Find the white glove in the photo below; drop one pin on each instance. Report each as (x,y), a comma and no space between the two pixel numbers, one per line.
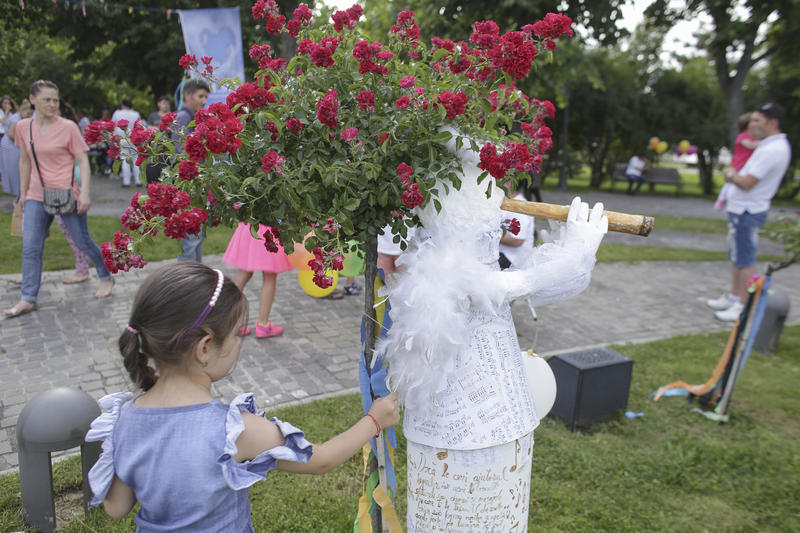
(585,227)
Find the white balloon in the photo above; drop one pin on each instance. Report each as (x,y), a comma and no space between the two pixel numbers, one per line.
(542,383)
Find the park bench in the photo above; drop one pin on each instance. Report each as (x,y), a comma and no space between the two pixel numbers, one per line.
(652,176)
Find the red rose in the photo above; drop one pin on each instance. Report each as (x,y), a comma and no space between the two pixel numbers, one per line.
(328,108)
(366,100)
(187,61)
(195,149)
(404,171)
(167,120)
(402,102)
(294,125)
(187,170)
(382,138)
(407,82)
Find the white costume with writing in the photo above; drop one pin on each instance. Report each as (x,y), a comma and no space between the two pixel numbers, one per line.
(455,360)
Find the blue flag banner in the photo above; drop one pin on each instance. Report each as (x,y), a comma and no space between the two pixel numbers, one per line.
(215,33)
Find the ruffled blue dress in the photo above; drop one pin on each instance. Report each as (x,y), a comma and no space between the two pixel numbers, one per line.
(179,461)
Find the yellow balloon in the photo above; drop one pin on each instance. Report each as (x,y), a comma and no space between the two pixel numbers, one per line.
(306,280)
(684,146)
(654,143)
(662,147)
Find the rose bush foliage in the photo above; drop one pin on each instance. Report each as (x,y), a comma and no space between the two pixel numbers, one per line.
(344,138)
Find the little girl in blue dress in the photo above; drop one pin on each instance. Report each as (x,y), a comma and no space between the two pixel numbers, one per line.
(186,458)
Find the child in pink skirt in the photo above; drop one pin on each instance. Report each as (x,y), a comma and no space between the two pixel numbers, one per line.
(249,255)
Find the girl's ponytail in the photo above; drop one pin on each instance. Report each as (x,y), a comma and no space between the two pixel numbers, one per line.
(161,328)
(135,360)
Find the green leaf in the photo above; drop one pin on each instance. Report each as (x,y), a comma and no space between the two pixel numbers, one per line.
(439,54)
(443,136)
(352,204)
(438,205)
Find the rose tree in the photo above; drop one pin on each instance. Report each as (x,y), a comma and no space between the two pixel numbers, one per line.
(344,139)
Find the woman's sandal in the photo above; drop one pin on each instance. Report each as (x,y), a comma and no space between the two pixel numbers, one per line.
(107,293)
(335,295)
(352,290)
(16,311)
(75,279)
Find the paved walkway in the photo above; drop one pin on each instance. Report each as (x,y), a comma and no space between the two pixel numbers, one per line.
(71,339)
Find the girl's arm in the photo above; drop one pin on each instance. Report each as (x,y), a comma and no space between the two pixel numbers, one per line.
(261,435)
(119,500)
(749,144)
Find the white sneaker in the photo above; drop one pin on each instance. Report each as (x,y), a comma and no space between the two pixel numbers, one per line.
(730,314)
(721,303)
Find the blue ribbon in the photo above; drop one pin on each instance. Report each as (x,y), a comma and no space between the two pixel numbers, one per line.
(374,384)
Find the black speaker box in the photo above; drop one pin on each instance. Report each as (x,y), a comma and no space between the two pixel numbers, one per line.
(591,386)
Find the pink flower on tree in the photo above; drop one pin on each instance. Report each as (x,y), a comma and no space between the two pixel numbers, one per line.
(349,134)
(402,102)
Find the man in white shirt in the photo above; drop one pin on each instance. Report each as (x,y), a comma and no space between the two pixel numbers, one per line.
(127,153)
(748,203)
(636,166)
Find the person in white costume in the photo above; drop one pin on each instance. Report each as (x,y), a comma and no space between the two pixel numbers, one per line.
(455,361)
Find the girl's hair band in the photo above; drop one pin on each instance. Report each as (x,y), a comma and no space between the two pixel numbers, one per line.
(132,329)
(211,303)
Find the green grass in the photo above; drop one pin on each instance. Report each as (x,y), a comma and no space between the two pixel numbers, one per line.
(58,255)
(579,183)
(691,225)
(671,470)
(611,252)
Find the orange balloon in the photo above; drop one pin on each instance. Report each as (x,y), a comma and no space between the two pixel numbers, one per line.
(300,257)
(654,143)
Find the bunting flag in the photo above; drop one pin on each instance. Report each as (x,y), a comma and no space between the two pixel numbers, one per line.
(719,387)
(372,382)
(105,5)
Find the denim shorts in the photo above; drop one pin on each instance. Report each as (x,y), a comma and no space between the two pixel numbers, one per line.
(743,237)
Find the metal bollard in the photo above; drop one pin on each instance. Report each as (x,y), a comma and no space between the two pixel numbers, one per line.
(772,324)
(54,420)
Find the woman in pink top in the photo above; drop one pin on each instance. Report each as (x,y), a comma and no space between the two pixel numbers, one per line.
(58,144)
(742,150)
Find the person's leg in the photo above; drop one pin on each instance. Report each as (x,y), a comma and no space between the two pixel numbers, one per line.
(241,278)
(81,262)
(639,182)
(126,173)
(35,224)
(745,227)
(136,181)
(79,229)
(192,248)
(266,297)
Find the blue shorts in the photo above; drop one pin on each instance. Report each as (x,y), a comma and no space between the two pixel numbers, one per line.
(743,237)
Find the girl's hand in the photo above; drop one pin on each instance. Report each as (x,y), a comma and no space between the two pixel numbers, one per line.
(386,410)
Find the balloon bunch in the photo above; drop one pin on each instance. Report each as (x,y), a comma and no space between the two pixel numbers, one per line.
(657,145)
(684,147)
(353,265)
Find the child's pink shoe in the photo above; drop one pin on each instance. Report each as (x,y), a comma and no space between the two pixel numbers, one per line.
(244,331)
(270,330)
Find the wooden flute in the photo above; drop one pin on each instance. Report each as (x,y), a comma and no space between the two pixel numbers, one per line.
(621,222)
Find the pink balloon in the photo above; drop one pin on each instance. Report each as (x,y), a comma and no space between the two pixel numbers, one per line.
(678,150)
(692,150)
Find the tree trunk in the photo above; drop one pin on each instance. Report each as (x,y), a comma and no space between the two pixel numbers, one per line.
(562,177)
(705,169)
(370,271)
(598,164)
